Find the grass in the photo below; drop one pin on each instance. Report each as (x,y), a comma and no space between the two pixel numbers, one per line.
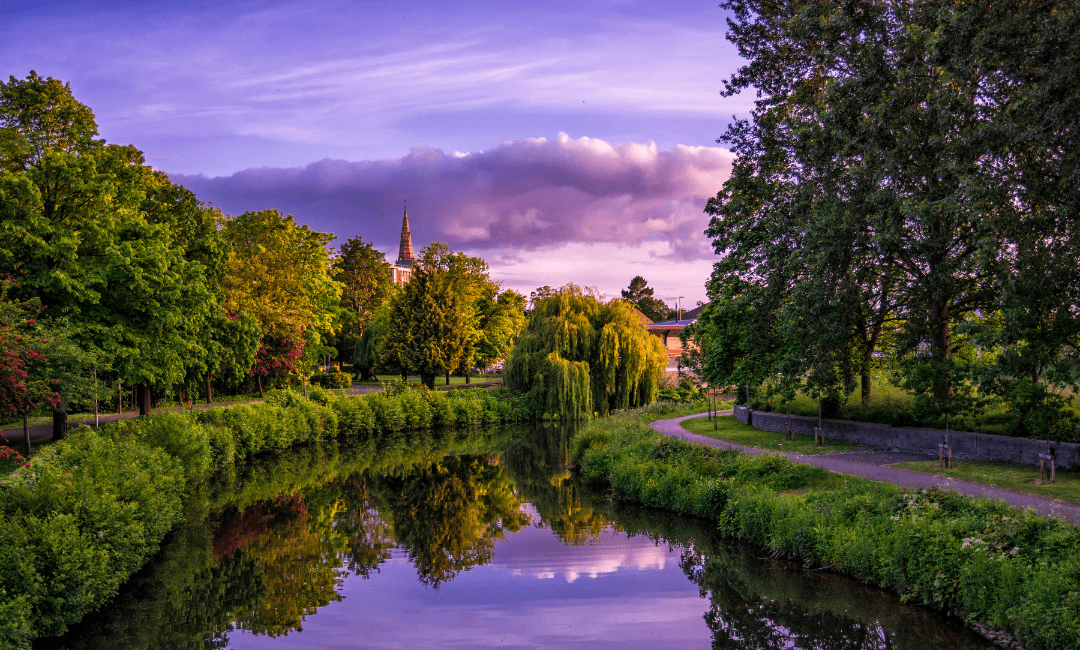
(732,430)
(1018,478)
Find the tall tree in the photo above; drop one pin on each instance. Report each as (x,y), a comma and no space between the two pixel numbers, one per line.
(640,295)
(279,273)
(579,356)
(366,283)
(84,228)
(428,330)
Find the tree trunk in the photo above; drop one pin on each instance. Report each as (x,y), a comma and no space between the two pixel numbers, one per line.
(468,373)
(259,379)
(144,399)
(59,420)
(448,378)
(209,393)
(26,433)
(865,380)
(428,379)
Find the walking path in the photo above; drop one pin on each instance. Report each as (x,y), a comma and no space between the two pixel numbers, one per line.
(875,466)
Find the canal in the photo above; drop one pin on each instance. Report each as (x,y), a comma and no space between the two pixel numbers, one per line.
(473,539)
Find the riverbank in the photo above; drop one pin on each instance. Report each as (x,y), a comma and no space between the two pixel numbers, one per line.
(976,558)
(90,510)
(877,466)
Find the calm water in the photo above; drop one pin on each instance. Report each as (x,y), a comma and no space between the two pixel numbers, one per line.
(473,541)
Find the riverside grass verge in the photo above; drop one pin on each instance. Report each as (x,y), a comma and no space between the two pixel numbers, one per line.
(1018,478)
(732,430)
(974,558)
(90,510)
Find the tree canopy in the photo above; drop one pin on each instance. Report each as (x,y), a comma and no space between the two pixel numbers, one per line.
(640,295)
(579,356)
(904,177)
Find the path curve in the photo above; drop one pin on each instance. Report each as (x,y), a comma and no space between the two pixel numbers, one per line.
(907,478)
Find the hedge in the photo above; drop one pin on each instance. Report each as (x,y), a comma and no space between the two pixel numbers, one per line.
(975,558)
(90,510)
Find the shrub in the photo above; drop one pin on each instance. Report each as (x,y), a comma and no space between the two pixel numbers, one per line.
(83,516)
(976,558)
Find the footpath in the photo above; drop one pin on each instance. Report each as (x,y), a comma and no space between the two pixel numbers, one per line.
(875,466)
(43,432)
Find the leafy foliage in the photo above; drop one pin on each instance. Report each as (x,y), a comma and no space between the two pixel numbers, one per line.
(579,356)
(640,295)
(884,202)
(974,558)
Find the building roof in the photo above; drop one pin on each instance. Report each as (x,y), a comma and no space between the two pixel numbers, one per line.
(645,320)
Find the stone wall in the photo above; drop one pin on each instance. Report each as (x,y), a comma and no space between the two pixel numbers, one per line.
(972,446)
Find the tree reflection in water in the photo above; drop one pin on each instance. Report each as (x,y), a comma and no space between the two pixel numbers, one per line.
(270,543)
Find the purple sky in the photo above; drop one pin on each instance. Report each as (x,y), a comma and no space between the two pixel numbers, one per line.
(589,128)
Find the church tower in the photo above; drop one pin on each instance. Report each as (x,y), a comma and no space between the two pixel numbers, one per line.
(405,252)
(401,271)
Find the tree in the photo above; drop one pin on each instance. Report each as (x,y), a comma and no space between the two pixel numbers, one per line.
(578,356)
(366,283)
(467,277)
(20,352)
(885,164)
(500,320)
(279,273)
(541,293)
(640,295)
(427,331)
(89,230)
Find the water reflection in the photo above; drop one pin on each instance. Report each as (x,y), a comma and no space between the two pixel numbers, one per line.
(479,540)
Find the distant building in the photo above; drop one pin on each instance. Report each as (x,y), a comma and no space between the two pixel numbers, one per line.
(668,332)
(401,270)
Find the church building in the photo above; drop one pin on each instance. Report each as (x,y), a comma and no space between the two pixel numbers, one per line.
(401,270)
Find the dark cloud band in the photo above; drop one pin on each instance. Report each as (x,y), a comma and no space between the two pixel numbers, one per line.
(526,194)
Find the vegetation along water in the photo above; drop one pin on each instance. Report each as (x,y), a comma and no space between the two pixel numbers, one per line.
(478,536)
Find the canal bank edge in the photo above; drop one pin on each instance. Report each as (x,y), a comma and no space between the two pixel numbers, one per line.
(66,551)
(934,546)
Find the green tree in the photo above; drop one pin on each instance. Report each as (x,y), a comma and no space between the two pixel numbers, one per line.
(279,273)
(885,180)
(366,283)
(579,356)
(88,230)
(500,320)
(640,295)
(427,332)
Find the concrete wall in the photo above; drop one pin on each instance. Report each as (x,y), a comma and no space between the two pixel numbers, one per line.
(972,446)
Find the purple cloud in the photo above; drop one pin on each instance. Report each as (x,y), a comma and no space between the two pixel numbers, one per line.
(522,195)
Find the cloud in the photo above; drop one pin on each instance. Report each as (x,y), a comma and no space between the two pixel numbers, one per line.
(520,196)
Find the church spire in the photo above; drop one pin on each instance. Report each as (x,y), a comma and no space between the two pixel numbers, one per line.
(405,251)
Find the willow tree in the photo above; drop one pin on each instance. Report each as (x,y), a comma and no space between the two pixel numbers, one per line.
(579,356)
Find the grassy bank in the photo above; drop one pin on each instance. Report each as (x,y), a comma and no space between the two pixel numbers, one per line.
(90,510)
(729,429)
(1018,478)
(977,559)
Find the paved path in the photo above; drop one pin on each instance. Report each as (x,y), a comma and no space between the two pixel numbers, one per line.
(875,466)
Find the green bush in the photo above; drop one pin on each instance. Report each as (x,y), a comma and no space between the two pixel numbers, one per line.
(975,558)
(91,509)
(76,523)
(332,379)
